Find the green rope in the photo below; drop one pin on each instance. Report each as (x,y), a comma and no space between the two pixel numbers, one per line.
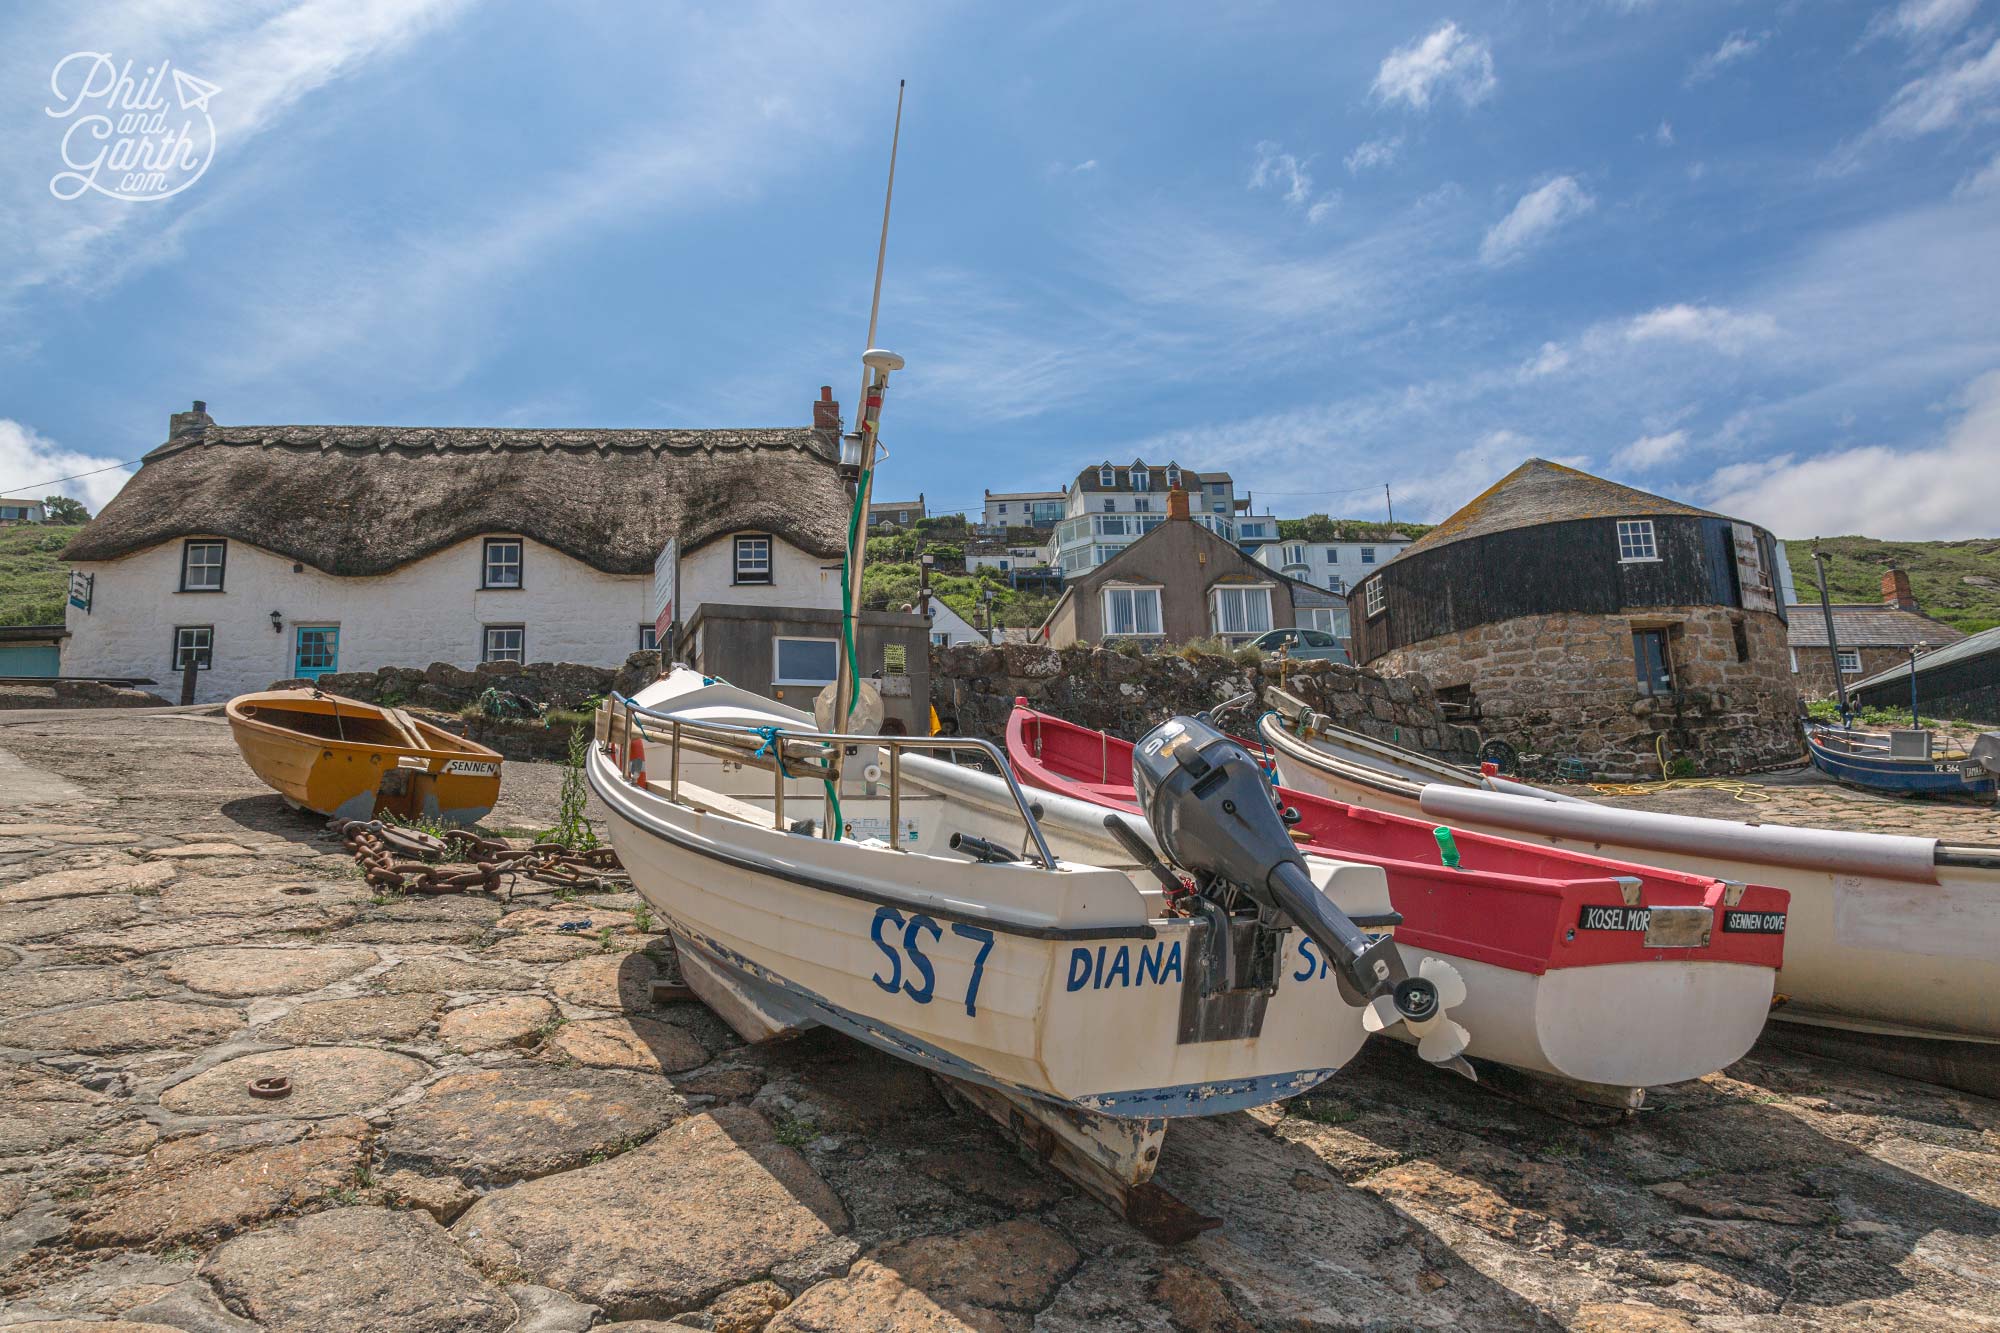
(847,641)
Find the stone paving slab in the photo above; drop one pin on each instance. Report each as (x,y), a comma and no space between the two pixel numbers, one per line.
(550,1150)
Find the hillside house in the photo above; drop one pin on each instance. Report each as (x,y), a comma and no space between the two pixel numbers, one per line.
(22,509)
(270,552)
(900,513)
(1020,509)
(1873,637)
(1180,581)
(1108,507)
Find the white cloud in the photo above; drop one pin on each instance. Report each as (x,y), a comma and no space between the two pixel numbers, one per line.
(1921,21)
(1538,213)
(1447,61)
(1650,451)
(1551,359)
(1986,180)
(30,463)
(1319,212)
(1664,136)
(1738,45)
(1708,325)
(1959,89)
(1276,169)
(1933,492)
(1374,153)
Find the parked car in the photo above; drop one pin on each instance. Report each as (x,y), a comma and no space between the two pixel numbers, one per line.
(1302,645)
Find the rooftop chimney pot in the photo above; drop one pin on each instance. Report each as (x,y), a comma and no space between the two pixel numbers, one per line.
(1177,503)
(1896,591)
(826,412)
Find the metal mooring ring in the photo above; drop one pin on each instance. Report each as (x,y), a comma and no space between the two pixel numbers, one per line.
(270,1088)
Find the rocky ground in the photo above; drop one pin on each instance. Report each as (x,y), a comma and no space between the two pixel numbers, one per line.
(493,1125)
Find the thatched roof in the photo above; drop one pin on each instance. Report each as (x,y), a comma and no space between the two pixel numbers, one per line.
(368,499)
(1539,491)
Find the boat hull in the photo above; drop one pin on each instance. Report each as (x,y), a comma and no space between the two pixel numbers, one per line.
(1078,1005)
(1877,934)
(1545,993)
(1877,772)
(374,771)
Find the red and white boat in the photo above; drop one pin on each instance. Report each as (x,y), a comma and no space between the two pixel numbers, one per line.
(1596,971)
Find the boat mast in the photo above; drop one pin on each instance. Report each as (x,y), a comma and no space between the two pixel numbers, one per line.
(1832,641)
(874,385)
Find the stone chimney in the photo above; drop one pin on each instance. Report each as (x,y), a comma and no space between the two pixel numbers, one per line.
(195,419)
(1896,591)
(1177,504)
(826,412)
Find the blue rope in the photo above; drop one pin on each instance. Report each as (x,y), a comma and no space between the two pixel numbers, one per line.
(771,735)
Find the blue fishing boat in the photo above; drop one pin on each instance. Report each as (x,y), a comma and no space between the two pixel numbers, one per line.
(1900,762)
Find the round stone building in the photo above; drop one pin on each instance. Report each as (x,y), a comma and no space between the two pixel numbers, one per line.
(1575,618)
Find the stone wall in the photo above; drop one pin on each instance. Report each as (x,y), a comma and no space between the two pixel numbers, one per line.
(1127,694)
(1814,677)
(449,688)
(1564,686)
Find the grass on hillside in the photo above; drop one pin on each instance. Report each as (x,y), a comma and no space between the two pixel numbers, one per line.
(1938,572)
(34,584)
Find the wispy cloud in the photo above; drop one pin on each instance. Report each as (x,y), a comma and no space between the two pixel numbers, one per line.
(1723,330)
(30,464)
(1664,136)
(1986,180)
(1448,61)
(1651,451)
(1537,214)
(1948,489)
(1921,21)
(1738,45)
(265,68)
(1967,84)
(1276,169)
(1374,153)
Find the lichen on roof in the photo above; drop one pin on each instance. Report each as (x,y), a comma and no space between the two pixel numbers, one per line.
(1539,491)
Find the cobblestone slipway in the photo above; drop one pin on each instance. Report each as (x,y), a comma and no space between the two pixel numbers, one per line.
(492,1126)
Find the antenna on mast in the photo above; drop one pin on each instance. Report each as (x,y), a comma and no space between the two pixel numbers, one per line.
(882,246)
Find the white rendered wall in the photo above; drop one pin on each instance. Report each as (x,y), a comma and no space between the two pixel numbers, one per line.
(797,579)
(430,611)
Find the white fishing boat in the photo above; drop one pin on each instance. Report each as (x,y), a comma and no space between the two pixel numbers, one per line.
(1091,1001)
(1892,935)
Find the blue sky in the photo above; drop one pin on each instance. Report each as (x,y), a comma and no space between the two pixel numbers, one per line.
(1746,254)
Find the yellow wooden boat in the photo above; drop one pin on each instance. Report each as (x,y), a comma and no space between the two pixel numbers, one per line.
(351,760)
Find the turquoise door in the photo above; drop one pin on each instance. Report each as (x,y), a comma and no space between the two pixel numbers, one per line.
(318,651)
(29,659)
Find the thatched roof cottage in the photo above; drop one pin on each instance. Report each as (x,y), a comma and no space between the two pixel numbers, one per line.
(265,552)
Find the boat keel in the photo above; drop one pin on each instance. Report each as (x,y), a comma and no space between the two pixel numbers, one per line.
(1111,1158)
(746,1014)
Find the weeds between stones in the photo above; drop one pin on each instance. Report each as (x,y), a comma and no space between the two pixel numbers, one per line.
(572,827)
(795,1133)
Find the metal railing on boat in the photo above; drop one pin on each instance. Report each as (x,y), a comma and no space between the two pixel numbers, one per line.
(811,754)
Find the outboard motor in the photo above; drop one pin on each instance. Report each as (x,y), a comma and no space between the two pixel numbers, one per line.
(1212,810)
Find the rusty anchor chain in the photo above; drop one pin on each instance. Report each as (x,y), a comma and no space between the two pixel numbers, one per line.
(407,860)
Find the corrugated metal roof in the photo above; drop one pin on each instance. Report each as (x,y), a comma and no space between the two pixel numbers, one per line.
(1866,625)
(1967,648)
(1539,491)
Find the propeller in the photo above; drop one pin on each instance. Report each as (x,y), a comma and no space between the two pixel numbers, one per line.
(1440,1041)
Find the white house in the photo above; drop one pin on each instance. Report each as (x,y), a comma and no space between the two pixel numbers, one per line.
(22,509)
(1110,506)
(270,552)
(1336,566)
(1020,509)
(948,627)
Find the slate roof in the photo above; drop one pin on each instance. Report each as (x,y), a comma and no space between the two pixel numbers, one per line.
(356,500)
(1865,625)
(1539,491)
(1983,644)
(1191,480)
